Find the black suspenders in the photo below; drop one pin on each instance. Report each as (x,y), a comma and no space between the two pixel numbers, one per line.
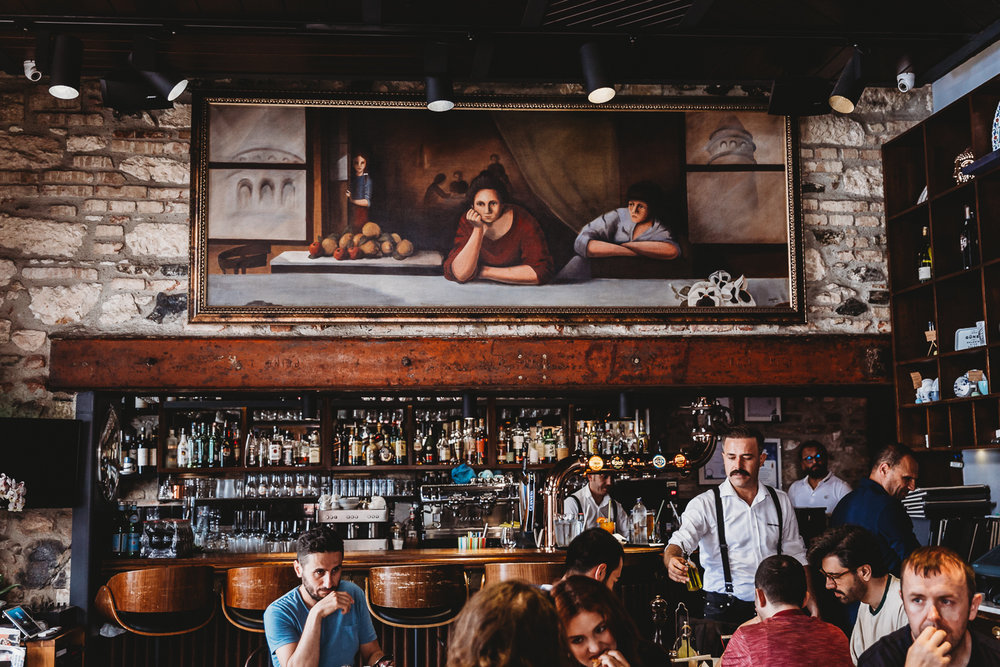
(727,572)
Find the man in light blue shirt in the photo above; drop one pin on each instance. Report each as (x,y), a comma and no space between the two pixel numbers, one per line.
(325,620)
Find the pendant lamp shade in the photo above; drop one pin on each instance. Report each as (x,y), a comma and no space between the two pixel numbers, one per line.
(439,93)
(67,57)
(849,86)
(595,78)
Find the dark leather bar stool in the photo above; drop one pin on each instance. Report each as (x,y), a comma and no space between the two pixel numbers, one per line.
(247,593)
(159,601)
(536,574)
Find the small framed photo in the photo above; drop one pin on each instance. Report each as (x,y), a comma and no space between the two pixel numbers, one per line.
(762,409)
(770,471)
(714,472)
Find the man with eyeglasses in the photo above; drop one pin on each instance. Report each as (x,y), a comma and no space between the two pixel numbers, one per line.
(849,559)
(820,487)
(876,504)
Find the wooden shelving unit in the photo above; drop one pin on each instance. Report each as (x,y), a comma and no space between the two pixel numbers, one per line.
(955,297)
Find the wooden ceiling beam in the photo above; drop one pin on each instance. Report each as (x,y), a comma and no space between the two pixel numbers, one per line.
(259,364)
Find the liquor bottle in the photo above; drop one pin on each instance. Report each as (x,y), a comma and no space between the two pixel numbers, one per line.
(925,261)
(518,440)
(251,450)
(399,444)
(235,455)
(315,457)
(288,450)
(142,452)
(301,448)
(118,531)
(134,533)
(183,451)
(356,448)
(418,445)
(128,456)
(274,448)
(226,448)
(214,446)
(548,446)
(444,443)
(172,444)
(480,442)
(639,533)
(198,445)
(967,240)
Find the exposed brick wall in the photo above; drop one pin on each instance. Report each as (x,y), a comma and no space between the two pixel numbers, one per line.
(94,232)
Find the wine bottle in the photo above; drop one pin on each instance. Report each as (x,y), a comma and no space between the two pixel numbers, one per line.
(925,262)
(967,240)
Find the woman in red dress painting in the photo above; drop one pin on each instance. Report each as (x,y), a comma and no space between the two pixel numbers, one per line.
(497,240)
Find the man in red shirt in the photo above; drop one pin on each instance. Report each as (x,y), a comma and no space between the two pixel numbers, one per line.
(785,636)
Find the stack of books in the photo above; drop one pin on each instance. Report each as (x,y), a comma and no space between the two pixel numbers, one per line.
(947,502)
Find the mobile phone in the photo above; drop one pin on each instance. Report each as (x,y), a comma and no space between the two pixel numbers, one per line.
(20,617)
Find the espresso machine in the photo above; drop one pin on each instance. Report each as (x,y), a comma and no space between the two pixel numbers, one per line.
(362,529)
(454,510)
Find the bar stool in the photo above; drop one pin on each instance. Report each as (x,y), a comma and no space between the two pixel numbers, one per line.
(416,597)
(159,601)
(536,574)
(247,593)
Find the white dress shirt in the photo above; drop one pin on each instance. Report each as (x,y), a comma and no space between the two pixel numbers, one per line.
(752,533)
(591,510)
(827,493)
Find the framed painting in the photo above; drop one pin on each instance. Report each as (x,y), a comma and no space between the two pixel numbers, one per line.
(323,209)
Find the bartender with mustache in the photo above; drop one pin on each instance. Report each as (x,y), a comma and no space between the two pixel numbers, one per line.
(757,521)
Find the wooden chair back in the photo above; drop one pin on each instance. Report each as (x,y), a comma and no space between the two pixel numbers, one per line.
(531,573)
(257,586)
(162,589)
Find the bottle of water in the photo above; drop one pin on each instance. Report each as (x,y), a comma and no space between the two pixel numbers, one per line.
(639,535)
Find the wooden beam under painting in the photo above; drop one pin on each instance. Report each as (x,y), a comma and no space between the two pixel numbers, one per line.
(248,364)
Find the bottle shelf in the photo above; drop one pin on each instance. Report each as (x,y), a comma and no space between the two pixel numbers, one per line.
(955,297)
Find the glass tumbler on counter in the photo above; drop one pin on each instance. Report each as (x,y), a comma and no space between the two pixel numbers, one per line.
(508,540)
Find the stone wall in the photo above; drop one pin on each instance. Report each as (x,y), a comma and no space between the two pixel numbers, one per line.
(94,230)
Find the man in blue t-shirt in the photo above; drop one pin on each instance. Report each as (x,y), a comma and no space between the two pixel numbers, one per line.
(325,621)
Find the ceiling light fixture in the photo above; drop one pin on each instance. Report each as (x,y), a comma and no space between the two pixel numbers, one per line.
(125,92)
(439,93)
(143,60)
(595,80)
(850,85)
(67,60)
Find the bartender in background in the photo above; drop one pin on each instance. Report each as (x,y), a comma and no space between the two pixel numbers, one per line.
(595,501)
(820,487)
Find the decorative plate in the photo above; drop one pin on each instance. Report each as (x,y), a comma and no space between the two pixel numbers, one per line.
(964,386)
(996,129)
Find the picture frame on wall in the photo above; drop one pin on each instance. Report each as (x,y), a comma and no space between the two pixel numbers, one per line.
(326,208)
(714,471)
(762,409)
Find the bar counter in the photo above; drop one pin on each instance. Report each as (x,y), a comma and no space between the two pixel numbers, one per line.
(219,644)
(635,557)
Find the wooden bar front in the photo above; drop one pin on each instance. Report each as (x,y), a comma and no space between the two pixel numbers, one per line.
(221,644)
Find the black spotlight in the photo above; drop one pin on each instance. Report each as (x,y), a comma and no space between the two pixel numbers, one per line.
(439,93)
(849,86)
(799,96)
(126,93)
(595,79)
(468,405)
(67,59)
(158,76)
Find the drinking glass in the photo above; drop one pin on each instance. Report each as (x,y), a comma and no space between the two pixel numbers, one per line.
(507,540)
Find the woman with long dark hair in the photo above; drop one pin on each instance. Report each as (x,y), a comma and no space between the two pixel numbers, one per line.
(509,624)
(598,630)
